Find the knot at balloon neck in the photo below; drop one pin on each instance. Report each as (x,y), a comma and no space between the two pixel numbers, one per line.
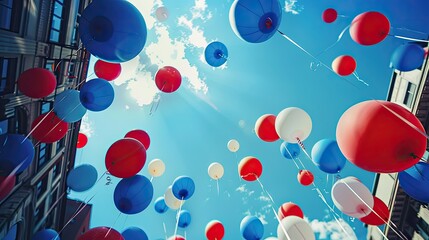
(218,54)
(101,28)
(268,22)
(125,204)
(183,193)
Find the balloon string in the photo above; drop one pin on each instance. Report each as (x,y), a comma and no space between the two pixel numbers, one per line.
(330,69)
(359,79)
(293,159)
(110,228)
(155,104)
(366,204)
(314,57)
(178,216)
(165,230)
(151,179)
(82,205)
(217,185)
(335,43)
(410,30)
(321,196)
(273,204)
(409,38)
(37,125)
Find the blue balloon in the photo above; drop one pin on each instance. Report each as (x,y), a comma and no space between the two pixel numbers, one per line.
(113,30)
(184,218)
(133,195)
(160,206)
(82,178)
(407,57)
(97,94)
(415,181)
(15,150)
(183,187)
(251,228)
(134,233)
(46,234)
(327,156)
(67,106)
(255,21)
(290,150)
(216,54)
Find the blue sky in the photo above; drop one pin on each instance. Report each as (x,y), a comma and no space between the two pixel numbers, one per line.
(192,126)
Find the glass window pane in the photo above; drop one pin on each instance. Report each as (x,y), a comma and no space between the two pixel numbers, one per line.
(58,9)
(46,107)
(56,23)
(5,66)
(55,36)
(5,17)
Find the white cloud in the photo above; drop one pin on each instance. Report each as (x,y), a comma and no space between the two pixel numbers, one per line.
(165,50)
(333,230)
(264,198)
(292,6)
(241,188)
(87,127)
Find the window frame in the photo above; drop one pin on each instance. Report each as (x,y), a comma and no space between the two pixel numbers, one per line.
(10,75)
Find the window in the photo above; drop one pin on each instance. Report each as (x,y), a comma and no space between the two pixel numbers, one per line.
(44,155)
(8,74)
(56,21)
(10,15)
(409,94)
(60,145)
(46,107)
(54,197)
(56,170)
(41,187)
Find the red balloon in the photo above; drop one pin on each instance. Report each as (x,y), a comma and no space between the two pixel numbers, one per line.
(48,128)
(305,177)
(101,233)
(125,158)
(215,230)
(250,168)
(37,82)
(369,28)
(106,70)
(7,183)
(265,128)
(375,139)
(168,79)
(382,215)
(344,65)
(329,15)
(82,140)
(140,136)
(177,237)
(290,209)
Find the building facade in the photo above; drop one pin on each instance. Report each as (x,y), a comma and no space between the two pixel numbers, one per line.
(409,218)
(43,34)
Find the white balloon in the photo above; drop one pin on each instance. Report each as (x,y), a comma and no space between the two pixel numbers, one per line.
(169,198)
(216,170)
(296,229)
(156,168)
(352,197)
(292,123)
(233,145)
